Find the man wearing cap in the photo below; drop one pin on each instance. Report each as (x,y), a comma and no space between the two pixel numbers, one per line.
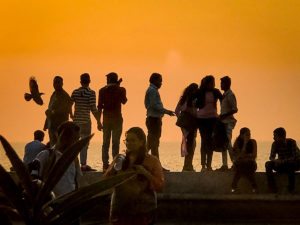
(85,102)
(155,112)
(228,108)
(110,99)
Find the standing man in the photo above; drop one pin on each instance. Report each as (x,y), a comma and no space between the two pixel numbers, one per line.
(85,102)
(59,109)
(110,99)
(34,147)
(228,108)
(155,112)
(288,160)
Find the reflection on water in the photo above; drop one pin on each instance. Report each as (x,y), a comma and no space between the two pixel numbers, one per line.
(169,155)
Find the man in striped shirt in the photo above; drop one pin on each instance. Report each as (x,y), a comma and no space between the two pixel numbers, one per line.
(85,102)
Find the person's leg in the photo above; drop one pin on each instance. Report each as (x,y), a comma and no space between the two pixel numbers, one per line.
(188,160)
(270,176)
(154,132)
(106,143)
(209,144)
(116,135)
(52,135)
(236,178)
(202,132)
(291,168)
(85,130)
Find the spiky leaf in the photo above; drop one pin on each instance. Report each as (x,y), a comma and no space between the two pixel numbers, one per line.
(75,200)
(19,167)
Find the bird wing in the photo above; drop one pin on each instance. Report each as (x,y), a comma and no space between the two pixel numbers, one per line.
(34,90)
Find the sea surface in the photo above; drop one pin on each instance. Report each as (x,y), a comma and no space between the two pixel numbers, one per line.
(169,155)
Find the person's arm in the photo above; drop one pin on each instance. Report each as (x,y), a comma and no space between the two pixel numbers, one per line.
(273,152)
(123,96)
(93,108)
(253,155)
(154,174)
(100,108)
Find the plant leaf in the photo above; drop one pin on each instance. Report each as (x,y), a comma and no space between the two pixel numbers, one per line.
(74,200)
(20,168)
(13,194)
(59,169)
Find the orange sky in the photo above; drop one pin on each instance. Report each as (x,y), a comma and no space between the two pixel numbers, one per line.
(254,42)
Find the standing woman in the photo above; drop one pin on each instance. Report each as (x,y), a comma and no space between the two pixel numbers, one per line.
(189,130)
(207,98)
(244,155)
(134,202)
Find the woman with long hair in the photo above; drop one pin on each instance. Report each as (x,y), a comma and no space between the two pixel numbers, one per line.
(134,202)
(244,154)
(207,97)
(186,108)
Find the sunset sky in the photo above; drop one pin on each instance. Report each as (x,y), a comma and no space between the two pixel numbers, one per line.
(255,42)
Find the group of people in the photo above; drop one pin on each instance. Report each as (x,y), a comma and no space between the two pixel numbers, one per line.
(196,110)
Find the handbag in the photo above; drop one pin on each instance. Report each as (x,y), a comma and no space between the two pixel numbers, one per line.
(186,120)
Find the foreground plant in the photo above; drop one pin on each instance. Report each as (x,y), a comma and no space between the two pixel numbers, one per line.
(30,200)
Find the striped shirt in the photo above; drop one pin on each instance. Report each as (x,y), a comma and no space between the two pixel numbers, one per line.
(85,102)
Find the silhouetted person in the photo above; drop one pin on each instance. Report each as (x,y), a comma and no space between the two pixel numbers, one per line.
(110,99)
(155,112)
(288,160)
(34,92)
(59,109)
(187,111)
(85,102)
(206,103)
(244,155)
(34,147)
(228,108)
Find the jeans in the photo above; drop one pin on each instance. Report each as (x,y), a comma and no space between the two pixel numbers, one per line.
(206,127)
(154,133)
(229,129)
(190,146)
(111,128)
(247,169)
(85,130)
(285,167)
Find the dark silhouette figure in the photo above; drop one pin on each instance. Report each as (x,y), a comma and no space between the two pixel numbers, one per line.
(85,102)
(34,147)
(59,109)
(110,99)
(244,155)
(228,109)
(206,102)
(134,202)
(155,112)
(34,92)
(288,160)
(186,111)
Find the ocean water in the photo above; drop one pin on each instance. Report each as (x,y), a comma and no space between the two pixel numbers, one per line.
(169,155)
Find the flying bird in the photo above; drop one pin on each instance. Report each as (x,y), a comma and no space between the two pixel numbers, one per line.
(34,92)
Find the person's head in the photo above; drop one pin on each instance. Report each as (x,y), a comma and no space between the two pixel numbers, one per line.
(279,135)
(208,83)
(136,143)
(58,83)
(85,79)
(112,78)
(188,92)
(245,133)
(39,135)
(67,134)
(225,83)
(156,79)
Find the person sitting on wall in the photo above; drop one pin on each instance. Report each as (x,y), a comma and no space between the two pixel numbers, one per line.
(288,160)
(244,155)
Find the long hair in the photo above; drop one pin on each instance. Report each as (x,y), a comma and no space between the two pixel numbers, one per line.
(188,93)
(142,150)
(239,140)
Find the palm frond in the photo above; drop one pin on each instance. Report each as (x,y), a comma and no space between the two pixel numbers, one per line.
(19,167)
